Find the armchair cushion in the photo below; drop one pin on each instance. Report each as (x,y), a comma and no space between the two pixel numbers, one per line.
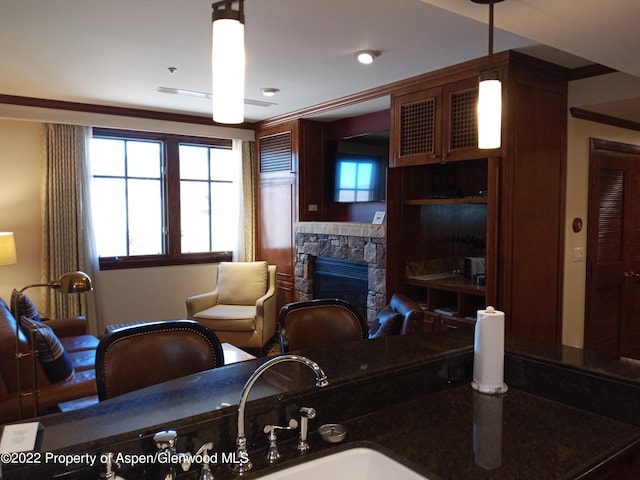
(241,283)
(22,306)
(236,318)
(53,357)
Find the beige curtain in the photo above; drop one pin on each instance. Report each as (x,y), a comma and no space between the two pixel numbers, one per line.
(249,179)
(66,212)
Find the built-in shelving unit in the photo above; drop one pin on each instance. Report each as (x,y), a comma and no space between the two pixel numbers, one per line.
(445,219)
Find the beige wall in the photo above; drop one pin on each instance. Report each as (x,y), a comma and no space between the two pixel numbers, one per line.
(579,133)
(587,93)
(157,293)
(20,177)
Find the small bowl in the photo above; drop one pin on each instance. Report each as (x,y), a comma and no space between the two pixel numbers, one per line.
(332,432)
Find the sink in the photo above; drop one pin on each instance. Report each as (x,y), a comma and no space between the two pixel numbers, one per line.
(355,464)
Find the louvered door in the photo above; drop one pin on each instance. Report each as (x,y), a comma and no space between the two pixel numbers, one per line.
(612,322)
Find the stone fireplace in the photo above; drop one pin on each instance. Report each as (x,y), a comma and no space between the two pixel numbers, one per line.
(359,242)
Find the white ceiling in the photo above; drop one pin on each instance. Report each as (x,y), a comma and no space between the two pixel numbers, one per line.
(118,52)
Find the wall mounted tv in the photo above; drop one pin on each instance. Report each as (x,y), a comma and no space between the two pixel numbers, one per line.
(357,168)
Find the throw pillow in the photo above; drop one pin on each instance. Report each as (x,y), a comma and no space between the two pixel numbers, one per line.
(241,283)
(54,359)
(388,322)
(22,306)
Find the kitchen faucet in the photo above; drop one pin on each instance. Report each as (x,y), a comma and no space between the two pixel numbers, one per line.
(245,464)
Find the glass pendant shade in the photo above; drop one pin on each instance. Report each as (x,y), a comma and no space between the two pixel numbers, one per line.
(227,68)
(489,114)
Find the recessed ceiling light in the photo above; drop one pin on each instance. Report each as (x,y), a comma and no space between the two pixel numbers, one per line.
(367,56)
(269,92)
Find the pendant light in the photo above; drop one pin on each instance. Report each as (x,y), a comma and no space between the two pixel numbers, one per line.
(228,62)
(489,95)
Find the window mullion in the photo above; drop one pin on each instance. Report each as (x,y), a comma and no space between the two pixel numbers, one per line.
(172,218)
(209,189)
(126,196)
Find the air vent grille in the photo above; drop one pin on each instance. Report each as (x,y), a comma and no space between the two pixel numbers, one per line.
(275,153)
(417,127)
(464,119)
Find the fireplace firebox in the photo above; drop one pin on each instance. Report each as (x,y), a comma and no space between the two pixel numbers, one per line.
(344,279)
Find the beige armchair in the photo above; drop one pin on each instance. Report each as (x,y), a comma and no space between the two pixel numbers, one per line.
(241,310)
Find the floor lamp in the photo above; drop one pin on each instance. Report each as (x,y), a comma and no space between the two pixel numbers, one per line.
(69,283)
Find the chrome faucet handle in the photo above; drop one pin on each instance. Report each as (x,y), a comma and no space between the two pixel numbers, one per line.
(306,414)
(273,454)
(202,453)
(205,471)
(166,440)
(111,467)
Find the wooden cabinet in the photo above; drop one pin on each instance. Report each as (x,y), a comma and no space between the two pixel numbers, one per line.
(417,129)
(436,124)
(276,206)
(627,467)
(449,191)
(287,191)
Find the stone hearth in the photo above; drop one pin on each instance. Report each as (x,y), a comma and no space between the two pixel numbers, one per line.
(354,241)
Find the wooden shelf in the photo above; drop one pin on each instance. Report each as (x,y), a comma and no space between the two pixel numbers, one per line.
(451,300)
(447,201)
(451,283)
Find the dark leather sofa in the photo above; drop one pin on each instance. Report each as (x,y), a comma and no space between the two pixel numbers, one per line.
(412,314)
(81,349)
(403,316)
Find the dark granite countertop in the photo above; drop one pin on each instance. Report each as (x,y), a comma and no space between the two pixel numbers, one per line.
(460,434)
(568,413)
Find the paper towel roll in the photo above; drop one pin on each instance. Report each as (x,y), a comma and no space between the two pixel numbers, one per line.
(488,352)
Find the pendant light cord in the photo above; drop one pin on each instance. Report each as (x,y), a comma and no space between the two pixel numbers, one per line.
(491,36)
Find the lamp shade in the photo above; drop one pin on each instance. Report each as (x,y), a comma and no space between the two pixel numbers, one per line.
(74,282)
(227,70)
(489,113)
(8,254)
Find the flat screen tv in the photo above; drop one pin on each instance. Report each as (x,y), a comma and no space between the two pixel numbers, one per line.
(357,168)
